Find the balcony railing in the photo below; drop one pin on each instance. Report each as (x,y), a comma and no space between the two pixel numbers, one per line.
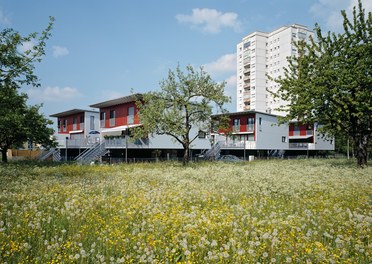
(78,143)
(122,143)
(239,144)
(298,133)
(310,146)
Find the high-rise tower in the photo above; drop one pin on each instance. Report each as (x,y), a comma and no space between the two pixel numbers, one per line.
(260,54)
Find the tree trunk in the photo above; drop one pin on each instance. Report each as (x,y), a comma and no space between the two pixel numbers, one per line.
(186,156)
(361,150)
(4,156)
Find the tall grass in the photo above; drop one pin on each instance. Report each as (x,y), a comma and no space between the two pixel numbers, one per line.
(306,211)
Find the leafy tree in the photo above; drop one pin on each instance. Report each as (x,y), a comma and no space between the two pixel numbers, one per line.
(183,105)
(19,122)
(330,82)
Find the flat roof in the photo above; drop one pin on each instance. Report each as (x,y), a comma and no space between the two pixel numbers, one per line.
(117,101)
(245,113)
(72,112)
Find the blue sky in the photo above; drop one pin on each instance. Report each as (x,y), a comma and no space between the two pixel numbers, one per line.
(100,50)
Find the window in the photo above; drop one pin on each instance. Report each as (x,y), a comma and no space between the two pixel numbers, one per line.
(91,123)
(250,124)
(236,127)
(65,125)
(260,123)
(284,139)
(202,134)
(296,130)
(112,117)
(130,118)
(74,123)
(82,122)
(59,126)
(102,118)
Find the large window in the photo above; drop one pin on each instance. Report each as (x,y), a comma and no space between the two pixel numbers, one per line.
(130,118)
(82,122)
(112,117)
(250,124)
(91,123)
(74,123)
(102,118)
(65,125)
(236,127)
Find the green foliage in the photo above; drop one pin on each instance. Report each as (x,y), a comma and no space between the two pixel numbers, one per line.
(330,82)
(19,122)
(182,105)
(278,211)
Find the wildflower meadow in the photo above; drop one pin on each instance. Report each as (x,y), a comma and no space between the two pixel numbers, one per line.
(281,211)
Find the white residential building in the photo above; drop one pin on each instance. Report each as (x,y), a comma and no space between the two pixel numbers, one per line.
(260,54)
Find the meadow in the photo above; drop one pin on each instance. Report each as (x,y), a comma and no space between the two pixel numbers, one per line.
(280,211)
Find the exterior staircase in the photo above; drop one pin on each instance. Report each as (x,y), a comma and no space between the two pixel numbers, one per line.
(55,153)
(93,153)
(214,152)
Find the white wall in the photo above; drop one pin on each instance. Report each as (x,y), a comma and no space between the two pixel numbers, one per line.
(323,143)
(269,134)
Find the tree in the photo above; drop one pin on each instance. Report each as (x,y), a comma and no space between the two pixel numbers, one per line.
(330,82)
(19,122)
(183,105)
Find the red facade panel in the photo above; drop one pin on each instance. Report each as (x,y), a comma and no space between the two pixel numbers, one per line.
(300,130)
(121,113)
(239,124)
(66,123)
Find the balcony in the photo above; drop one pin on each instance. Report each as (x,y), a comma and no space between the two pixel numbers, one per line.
(78,143)
(239,145)
(121,142)
(297,134)
(309,146)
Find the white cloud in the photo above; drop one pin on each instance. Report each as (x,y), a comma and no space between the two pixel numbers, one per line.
(210,20)
(53,94)
(224,64)
(230,90)
(59,51)
(28,45)
(4,19)
(330,11)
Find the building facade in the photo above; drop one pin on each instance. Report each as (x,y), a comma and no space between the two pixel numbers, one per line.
(76,127)
(252,132)
(261,54)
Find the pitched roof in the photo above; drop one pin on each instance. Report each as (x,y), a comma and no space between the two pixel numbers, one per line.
(117,101)
(72,112)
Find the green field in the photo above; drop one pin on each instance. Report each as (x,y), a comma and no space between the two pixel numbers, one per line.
(283,211)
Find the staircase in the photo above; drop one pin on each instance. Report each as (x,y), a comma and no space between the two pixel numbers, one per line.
(55,153)
(276,153)
(93,153)
(213,152)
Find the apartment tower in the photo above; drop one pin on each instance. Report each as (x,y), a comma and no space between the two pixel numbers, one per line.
(260,54)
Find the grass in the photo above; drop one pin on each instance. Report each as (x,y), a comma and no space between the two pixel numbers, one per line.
(303,211)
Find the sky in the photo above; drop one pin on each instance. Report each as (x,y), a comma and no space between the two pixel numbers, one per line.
(101,50)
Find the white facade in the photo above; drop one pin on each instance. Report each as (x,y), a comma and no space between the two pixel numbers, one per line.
(260,54)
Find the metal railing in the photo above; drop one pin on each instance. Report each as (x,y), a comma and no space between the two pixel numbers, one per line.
(239,144)
(122,143)
(93,153)
(54,153)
